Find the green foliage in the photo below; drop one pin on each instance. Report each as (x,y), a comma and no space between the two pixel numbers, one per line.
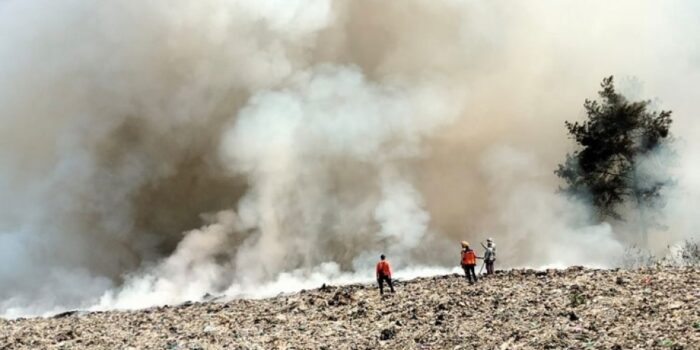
(616,134)
(576,299)
(666,342)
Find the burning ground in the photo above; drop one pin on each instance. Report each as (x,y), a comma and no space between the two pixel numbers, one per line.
(155,151)
(520,309)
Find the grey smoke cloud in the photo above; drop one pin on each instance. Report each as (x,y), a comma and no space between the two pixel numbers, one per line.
(156,151)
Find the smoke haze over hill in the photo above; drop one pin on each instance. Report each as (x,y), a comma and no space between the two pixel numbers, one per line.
(152,152)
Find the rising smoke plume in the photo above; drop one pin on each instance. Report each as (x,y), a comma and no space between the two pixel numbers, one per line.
(152,152)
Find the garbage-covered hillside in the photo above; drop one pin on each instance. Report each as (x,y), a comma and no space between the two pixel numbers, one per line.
(576,308)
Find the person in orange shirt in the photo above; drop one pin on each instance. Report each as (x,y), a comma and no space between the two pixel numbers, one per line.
(468,262)
(384,274)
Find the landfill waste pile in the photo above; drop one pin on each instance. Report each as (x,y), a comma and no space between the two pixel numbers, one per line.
(576,308)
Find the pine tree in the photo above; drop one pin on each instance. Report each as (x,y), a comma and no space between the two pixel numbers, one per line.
(616,134)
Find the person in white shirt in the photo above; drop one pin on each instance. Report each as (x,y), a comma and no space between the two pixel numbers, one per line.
(489,255)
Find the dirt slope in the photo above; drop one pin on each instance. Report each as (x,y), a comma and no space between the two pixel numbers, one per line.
(520,309)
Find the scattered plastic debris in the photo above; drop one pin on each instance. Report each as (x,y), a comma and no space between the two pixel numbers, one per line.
(520,309)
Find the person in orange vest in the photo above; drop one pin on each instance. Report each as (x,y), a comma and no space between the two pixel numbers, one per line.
(468,262)
(384,274)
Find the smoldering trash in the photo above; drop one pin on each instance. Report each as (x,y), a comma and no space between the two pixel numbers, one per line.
(156,152)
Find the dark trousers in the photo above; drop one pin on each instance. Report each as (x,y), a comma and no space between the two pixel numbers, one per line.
(470,272)
(381,280)
(489,267)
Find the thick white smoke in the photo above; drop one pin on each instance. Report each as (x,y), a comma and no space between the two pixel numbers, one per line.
(153,152)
